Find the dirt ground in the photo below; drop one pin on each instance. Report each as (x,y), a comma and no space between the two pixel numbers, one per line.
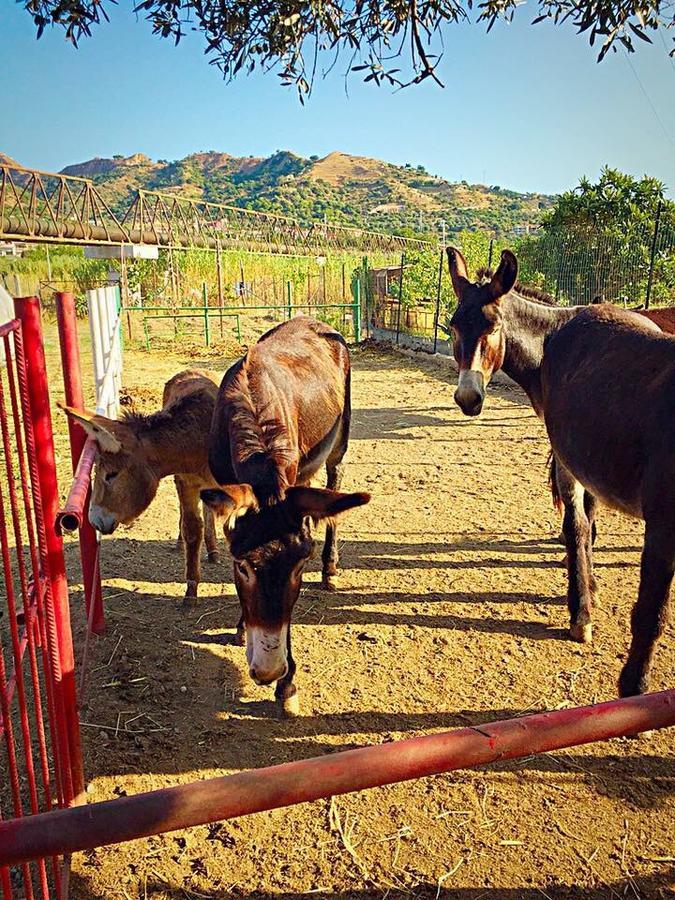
(451,612)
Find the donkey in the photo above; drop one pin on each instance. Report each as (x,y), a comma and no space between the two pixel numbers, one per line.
(497,324)
(282,413)
(137,451)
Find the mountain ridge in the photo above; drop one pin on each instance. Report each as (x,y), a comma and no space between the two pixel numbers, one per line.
(342,187)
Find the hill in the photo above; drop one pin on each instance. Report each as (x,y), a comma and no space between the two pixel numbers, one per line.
(354,190)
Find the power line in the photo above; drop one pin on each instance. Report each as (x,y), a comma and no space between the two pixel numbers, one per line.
(649,100)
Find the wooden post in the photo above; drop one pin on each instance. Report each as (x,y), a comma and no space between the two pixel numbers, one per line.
(289,298)
(438,295)
(400,300)
(205,296)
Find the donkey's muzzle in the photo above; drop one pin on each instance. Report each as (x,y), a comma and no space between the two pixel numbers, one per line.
(470,392)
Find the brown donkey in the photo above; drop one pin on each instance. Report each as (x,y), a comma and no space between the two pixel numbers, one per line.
(627,386)
(608,386)
(283,412)
(137,451)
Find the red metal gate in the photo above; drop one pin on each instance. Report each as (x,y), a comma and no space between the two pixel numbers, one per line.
(40,760)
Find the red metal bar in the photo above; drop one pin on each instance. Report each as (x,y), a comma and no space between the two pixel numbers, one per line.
(35,599)
(80,492)
(38,546)
(197,803)
(28,311)
(72,516)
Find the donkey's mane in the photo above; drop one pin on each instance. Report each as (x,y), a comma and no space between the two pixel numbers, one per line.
(190,409)
(527,291)
(257,433)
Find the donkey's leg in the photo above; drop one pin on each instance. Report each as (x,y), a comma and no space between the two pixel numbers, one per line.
(651,610)
(590,508)
(193,532)
(577,530)
(180,543)
(210,535)
(330,556)
(335,469)
(286,692)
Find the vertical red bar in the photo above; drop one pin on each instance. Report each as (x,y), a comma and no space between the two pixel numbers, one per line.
(72,381)
(28,311)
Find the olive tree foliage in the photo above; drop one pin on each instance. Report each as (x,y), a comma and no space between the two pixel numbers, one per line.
(396,42)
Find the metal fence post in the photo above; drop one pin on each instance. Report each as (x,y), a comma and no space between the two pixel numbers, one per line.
(438,297)
(366,285)
(652,254)
(357,310)
(72,381)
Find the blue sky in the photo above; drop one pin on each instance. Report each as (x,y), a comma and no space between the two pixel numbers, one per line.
(525,107)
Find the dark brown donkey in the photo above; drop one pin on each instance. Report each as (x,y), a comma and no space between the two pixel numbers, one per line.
(500,324)
(282,413)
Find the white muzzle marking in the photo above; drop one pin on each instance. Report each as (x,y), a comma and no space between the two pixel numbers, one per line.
(101,519)
(266,653)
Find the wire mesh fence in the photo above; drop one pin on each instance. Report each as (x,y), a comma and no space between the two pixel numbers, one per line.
(633,266)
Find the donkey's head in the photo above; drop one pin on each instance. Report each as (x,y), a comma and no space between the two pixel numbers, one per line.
(125,484)
(479,343)
(270,546)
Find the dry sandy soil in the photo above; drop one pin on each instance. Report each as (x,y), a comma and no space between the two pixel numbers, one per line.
(451,612)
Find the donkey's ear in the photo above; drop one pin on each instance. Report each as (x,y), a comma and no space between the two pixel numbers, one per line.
(505,276)
(101,429)
(458,271)
(230,502)
(320,503)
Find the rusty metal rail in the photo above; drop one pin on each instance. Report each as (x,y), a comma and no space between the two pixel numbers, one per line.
(55,208)
(198,803)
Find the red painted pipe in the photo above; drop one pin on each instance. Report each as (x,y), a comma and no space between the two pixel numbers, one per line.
(72,516)
(127,818)
(28,311)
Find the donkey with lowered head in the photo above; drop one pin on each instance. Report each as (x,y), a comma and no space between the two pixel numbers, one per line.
(283,413)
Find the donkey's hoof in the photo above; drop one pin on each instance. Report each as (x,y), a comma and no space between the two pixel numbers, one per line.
(583,634)
(291,706)
(214,556)
(240,637)
(330,583)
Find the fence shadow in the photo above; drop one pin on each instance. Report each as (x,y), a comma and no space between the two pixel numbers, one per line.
(649,887)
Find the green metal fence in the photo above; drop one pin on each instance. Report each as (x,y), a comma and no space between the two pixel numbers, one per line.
(233,316)
(631,266)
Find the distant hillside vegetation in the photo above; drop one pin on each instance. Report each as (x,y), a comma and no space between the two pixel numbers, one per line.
(354,190)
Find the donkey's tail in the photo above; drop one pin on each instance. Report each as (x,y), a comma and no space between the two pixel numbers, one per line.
(553,481)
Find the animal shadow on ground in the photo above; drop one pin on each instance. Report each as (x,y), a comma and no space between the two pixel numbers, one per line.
(137,559)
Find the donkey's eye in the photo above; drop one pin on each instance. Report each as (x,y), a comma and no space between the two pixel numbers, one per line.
(110,477)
